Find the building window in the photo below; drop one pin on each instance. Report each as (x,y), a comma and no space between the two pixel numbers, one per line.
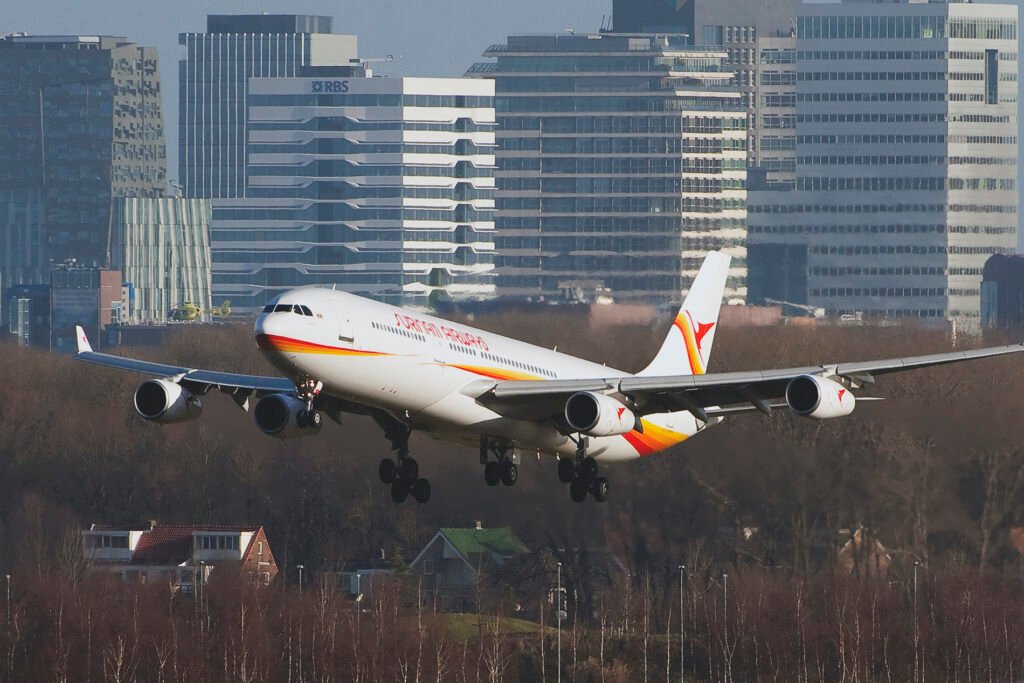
(991,76)
(428,567)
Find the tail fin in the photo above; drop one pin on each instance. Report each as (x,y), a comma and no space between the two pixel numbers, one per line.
(687,348)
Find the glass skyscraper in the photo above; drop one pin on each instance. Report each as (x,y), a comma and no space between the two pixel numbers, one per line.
(80,124)
(213,84)
(621,163)
(906,148)
(381,186)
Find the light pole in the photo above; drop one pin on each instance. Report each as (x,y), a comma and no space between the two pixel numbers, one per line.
(558,618)
(300,568)
(682,627)
(917,661)
(8,577)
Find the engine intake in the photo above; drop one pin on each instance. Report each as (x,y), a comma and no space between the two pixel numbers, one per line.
(166,402)
(819,398)
(285,417)
(598,415)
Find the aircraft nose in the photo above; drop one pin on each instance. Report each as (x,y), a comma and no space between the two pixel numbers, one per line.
(268,327)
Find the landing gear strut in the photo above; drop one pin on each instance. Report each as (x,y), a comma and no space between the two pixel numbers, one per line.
(505,468)
(581,474)
(404,475)
(308,390)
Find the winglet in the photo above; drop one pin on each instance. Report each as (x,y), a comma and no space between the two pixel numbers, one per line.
(83,342)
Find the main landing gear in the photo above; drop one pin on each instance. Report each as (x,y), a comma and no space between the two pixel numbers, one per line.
(581,474)
(504,469)
(404,475)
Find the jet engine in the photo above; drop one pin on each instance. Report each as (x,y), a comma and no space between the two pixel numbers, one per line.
(819,398)
(166,402)
(598,415)
(285,417)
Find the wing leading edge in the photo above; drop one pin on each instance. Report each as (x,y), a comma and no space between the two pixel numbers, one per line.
(225,381)
(704,394)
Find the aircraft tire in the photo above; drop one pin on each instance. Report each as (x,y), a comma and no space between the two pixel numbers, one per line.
(566,470)
(399,490)
(421,491)
(314,420)
(492,473)
(409,469)
(510,473)
(600,489)
(588,470)
(301,419)
(388,471)
(578,490)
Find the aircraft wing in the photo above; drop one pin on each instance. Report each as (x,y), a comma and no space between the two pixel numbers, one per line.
(707,395)
(204,379)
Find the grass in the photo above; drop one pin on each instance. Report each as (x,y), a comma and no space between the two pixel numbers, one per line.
(472,625)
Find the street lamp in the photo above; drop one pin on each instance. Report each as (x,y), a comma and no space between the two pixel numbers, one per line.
(8,577)
(558,618)
(682,627)
(300,568)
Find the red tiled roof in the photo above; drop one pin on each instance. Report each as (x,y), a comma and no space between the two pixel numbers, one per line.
(172,543)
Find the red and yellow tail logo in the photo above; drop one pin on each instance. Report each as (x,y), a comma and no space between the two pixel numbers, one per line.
(693,337)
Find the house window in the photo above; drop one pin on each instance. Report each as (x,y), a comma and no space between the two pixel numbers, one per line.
(259,548)
(428,567)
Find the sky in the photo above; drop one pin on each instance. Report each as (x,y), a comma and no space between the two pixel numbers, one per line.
(427,37)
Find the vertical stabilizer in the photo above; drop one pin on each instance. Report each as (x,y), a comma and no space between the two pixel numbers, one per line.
(687,348)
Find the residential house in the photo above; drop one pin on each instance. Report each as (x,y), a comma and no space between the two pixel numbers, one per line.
(452,562)
(181,554)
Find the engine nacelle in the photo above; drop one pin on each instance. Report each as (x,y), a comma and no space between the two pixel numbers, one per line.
(279,415)
(166,402)
(818,397)
(598,415)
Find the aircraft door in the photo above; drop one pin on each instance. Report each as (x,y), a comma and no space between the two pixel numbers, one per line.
(346,330)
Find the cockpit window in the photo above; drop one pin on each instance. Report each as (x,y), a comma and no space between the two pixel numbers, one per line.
(269,308)
(283,308)
(305,311)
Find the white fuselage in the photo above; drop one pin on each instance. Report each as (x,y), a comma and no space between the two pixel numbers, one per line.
(428,372)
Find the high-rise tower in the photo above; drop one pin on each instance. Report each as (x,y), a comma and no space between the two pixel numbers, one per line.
(214,84)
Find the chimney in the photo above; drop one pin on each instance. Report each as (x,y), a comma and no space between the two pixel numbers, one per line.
(152,523)
(479,525)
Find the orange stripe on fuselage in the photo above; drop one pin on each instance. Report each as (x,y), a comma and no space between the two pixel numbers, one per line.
(270,342)
(495,373)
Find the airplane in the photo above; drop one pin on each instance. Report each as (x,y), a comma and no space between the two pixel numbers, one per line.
(341,353)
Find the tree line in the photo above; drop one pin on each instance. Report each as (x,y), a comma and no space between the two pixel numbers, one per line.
(761,506)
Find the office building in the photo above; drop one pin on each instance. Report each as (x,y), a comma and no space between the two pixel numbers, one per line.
(80,124)
(162,248)
(621,163)
(1002,292)
(654,16)
(90,297)
(214,78)
(906,175)
(381,186)
(758,36)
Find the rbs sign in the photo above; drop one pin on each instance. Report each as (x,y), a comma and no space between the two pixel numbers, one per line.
(330,86)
